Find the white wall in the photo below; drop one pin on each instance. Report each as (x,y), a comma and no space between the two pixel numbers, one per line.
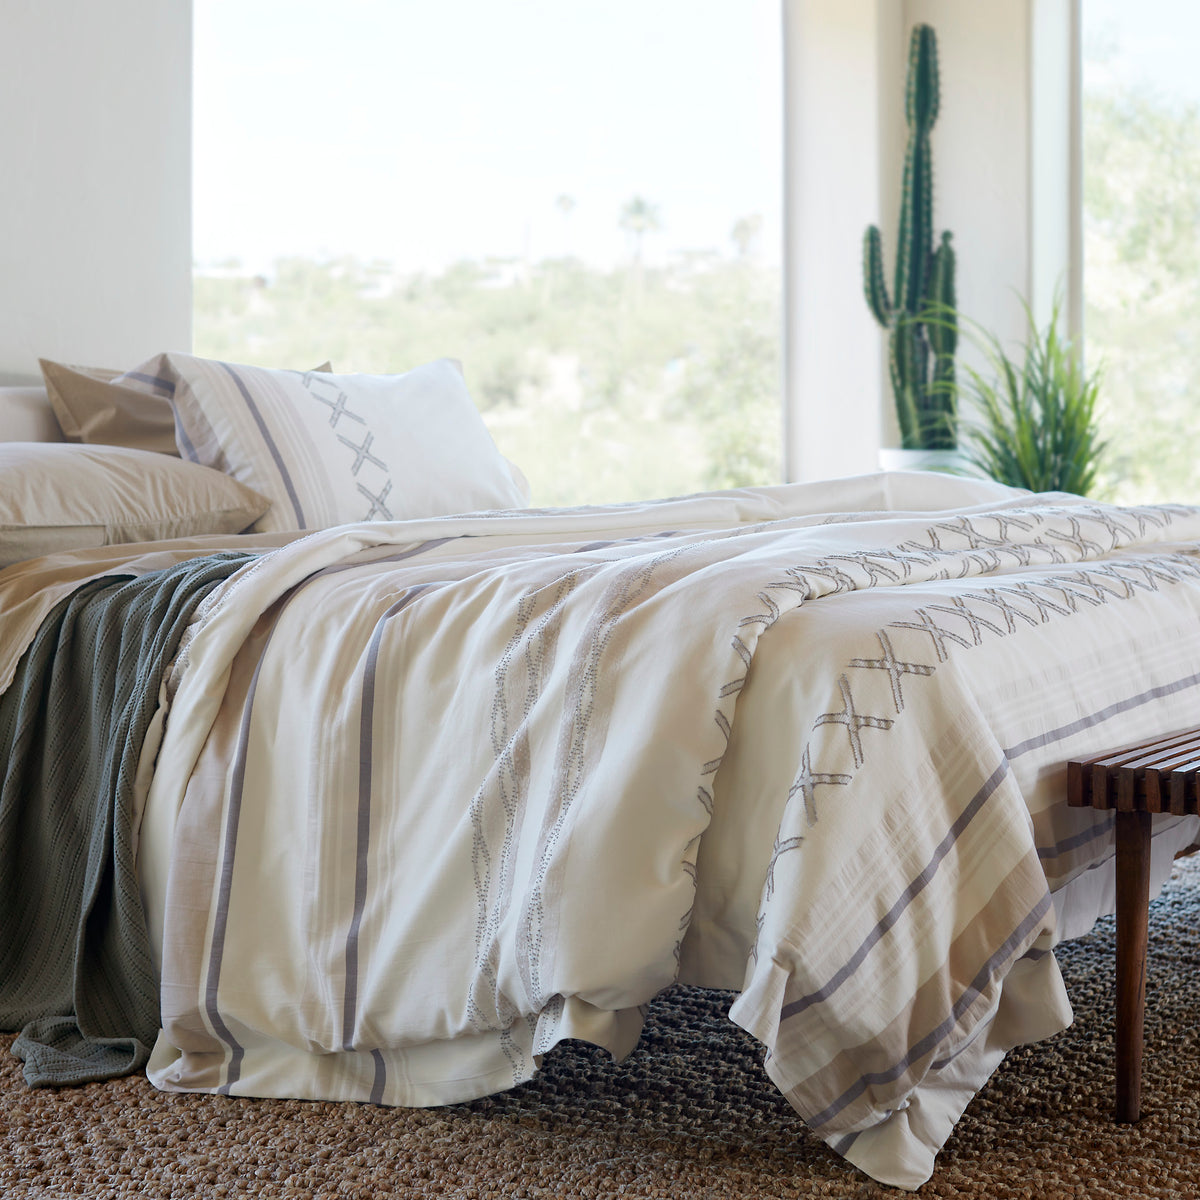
(1056,162)
(981,152)
(832,170)
(1003,177)
(95,205)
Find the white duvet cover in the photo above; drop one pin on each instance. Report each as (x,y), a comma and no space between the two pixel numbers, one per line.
(433,796)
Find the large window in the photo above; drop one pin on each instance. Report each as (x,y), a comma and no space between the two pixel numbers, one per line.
(1142,239)
(580,201)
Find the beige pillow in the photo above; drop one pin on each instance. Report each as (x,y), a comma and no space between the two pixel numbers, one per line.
(91,409)
(58,496)
(134,411)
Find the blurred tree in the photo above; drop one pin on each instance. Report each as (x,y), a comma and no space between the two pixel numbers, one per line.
(1142,288)
(595,400)
(745,233)
(638,218)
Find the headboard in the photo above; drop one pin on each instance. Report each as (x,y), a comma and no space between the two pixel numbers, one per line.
(26,416)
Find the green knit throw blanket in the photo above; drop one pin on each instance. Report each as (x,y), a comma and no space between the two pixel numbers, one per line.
(77,974)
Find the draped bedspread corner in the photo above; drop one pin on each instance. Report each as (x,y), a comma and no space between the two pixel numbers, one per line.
(77,973)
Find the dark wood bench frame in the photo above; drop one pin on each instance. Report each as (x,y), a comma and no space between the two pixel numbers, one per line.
(1158,776)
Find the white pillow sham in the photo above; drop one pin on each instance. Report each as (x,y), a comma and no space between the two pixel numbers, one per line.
(330,449)
(61,496)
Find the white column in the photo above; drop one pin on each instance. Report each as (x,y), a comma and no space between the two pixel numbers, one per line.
(95,138)
(833,359)
(1056,157)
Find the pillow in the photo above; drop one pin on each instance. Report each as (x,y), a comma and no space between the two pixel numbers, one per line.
(26,416)
(91,408)
(102,407)
(58,496)
(330,449)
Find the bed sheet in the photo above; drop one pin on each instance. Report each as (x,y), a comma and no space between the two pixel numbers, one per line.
(803,741)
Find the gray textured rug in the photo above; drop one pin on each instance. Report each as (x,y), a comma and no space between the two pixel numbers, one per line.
(689,1114)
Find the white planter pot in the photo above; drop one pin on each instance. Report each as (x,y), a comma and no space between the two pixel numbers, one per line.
(893,458)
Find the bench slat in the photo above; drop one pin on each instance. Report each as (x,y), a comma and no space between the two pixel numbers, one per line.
(1156,776)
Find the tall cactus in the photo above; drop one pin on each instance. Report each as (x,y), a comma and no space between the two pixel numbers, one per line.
(921,319)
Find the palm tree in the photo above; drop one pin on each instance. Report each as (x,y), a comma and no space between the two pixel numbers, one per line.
(745,232)
(566,206)
(638,218)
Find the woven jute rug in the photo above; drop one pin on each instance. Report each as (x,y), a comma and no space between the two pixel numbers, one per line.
(689,1114)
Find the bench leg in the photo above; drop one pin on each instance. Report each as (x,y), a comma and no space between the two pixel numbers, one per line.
(1133,910)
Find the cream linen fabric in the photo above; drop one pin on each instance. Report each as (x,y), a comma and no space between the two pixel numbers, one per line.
(328,449)
(435,795)
(57,496)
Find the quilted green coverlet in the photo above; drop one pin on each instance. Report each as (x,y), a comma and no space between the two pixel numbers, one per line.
(76,972)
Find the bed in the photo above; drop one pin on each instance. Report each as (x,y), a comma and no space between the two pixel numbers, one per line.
(428,780)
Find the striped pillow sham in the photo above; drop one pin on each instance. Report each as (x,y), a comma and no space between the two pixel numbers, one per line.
(332,449)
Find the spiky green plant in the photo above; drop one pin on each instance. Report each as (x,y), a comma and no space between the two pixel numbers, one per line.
(1034,423)
(924,276)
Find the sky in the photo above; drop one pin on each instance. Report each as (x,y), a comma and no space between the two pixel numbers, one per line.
(423,132)
(1151,43)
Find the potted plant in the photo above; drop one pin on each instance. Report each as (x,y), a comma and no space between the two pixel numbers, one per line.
(1034,422)
(924,392)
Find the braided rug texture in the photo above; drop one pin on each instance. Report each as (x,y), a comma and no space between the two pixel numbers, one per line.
(689,1114)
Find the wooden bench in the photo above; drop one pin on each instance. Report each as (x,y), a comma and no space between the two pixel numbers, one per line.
(1159,776)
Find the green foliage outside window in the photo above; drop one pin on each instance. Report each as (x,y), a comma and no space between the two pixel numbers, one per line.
(1142,289)
(644,380)
(627,384)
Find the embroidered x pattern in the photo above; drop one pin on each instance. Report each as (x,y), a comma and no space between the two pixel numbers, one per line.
(378,506)
(853,721)
(806,785)
(362,453)
(337,409)
(893,666)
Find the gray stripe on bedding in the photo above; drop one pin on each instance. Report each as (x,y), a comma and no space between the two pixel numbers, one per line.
(1101,829)
(366,755)
(233,1068)
(380,1080)
(165,386)
(187,448)
(906,898)
(221,921)
(922,1047)
(270,444)
(1102,715)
